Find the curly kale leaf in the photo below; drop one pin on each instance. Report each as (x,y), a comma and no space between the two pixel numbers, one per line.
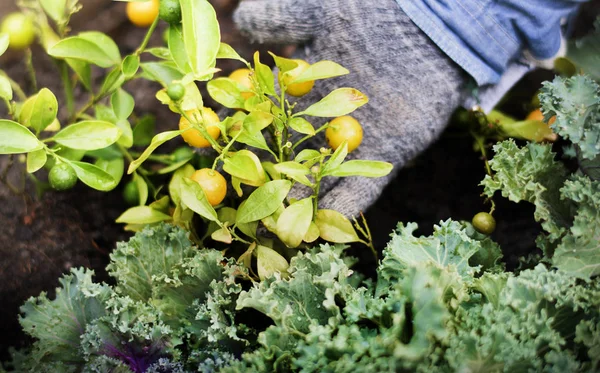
(151,253)
(579,251)
(531,174)
(526,323)
(58,324)
(450,246)
(130,332)
(307,296)
(576,103)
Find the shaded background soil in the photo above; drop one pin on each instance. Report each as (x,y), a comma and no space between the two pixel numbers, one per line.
(42,237)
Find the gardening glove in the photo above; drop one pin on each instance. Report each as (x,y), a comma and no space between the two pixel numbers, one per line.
(412,85)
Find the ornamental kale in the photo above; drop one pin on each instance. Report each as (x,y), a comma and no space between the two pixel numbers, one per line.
(441,303)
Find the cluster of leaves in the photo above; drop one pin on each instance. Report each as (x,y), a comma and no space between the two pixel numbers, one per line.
(566,203)
(440,303)
(97,143)
(170,301)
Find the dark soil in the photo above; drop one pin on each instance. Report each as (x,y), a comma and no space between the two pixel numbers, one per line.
(41,238)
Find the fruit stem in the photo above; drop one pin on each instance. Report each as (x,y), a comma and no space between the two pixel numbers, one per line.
(140,50)
(320,129)
(202,130)
(226,149)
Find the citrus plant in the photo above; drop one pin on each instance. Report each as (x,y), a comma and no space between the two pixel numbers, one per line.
(260,151)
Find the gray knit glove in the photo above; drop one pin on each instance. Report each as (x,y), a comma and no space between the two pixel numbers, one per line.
(413,87)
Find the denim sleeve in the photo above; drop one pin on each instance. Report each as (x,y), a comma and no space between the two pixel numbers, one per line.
(485,36)
(535,23)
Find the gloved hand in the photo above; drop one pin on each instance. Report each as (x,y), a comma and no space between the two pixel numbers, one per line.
(413,87)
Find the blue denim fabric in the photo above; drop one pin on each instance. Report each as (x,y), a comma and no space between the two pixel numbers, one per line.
(485,36)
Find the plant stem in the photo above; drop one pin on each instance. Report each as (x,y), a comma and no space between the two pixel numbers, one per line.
(30,69)
(140,50)
(320,129)
(68,87)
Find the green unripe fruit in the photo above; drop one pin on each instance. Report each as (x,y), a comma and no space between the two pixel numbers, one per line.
(170,11)
(62,177)
(131,194)
(165,36)
(183,153)
(484,223)
(20,30)
(176,91)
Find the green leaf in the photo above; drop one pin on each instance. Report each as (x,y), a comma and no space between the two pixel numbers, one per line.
(36,160)
(194,198)
(83,70)
(55,9)
(159,52)
(161,72)
(531,174)
(532,130)
(301,125)
(270,262)
(264,75)
(227,52)
(157,141)
(114,167)
(295,171)
(201,34)
(93,47)
(264,201)
(226,92)
(122,104)
(578,254)
(448,246)
(321,70)
(175,183)
(177,49)
(142,188)
(335,227)
(88,135)
(340,102)
(130,65)
(4,41)
(149,257)
(252,126)
(312,233)
(126,138)
(294,222)
(142,215)
(336,158)
(112,81)
(576,103)
(94,176)
(222,235)
(58,325)
(361,168)
(15,139)
(308,155)
(246,166)
(284,64)
(39,111)
(144,131)
(6,92)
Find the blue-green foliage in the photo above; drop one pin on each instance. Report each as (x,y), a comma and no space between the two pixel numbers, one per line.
(441,303)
